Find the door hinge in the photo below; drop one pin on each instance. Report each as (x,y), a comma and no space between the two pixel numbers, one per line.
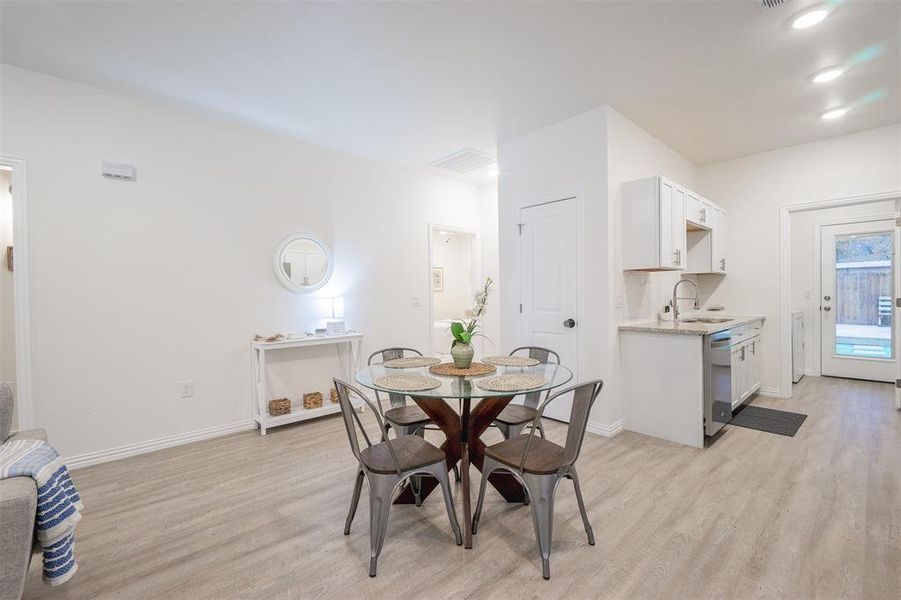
(898,383)
(519,227)
(897,302)
(897,221)
(520,308)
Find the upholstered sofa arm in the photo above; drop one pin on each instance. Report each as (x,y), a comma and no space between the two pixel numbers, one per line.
(18,503)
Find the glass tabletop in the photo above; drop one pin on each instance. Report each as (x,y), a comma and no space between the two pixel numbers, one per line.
(465,387)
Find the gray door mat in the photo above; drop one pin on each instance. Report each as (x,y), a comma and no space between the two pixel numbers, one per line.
(768,419)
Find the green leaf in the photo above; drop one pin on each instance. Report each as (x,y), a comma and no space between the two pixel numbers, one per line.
(465,337)
(456,329)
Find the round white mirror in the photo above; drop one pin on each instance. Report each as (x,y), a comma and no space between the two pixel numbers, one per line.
(303,263)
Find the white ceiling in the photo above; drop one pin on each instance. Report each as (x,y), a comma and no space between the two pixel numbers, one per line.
(412,82)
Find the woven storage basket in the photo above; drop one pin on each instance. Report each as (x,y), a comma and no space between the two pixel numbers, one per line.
(280,406)
(312,400)
(333,396)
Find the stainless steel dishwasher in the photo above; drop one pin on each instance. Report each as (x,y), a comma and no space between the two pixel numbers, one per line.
(718,374)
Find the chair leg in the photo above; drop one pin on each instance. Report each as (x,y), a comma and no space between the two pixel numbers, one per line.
(575,478)
(541,490)
(541,429)
(457,473)
(487,467)
(415,481)
(354,501)
(380,492)
(439,471)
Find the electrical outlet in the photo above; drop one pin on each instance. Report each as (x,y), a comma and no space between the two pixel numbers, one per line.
(415,301)
(807,295)
(187,389)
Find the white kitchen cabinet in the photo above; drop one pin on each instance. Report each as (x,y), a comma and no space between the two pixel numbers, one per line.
(753,359)
(745,370)
(698,211)
(719,234)
(653,219)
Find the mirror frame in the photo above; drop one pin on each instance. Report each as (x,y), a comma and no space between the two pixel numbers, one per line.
(285,280)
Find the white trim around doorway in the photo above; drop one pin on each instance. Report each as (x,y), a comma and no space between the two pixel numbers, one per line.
(476,270)
(785,301)
(22,290)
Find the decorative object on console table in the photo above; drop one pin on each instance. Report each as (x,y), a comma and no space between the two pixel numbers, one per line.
(464,331)
(333,396)
(312,400)
(279,406)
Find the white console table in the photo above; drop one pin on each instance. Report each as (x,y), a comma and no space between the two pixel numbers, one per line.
(260,402)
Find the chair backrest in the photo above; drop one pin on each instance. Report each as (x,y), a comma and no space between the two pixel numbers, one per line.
(352,421)
(584,395)
(386,354)
(543,355)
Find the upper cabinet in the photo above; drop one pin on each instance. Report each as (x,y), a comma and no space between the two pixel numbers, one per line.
(697,210)
(669,227)
(653,212)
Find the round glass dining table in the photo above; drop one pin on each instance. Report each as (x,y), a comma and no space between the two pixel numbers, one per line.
(464,429)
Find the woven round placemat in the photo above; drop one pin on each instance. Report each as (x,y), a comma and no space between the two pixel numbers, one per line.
(408,383)
(409,362)
(511,383)
(475,369)
(512,361)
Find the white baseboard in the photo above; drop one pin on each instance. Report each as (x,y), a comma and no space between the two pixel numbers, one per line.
(604,429)
(811,372)
(772,393)
(102,456)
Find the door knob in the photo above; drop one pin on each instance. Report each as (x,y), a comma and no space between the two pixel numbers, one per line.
(827,298)
(827,308)
(569,323)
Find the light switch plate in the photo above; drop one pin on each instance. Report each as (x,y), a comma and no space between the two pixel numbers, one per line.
(415,301)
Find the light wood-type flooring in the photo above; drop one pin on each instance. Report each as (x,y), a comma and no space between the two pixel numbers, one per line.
(754,515)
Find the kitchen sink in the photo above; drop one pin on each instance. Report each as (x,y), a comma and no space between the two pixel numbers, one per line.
(703,320)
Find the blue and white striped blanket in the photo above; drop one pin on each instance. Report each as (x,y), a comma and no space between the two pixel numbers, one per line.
(59,506)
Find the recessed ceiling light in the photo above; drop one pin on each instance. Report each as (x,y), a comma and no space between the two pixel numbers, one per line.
(835,113)
(828,74)
(809,18)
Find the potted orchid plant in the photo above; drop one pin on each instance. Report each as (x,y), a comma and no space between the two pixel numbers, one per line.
(464,331)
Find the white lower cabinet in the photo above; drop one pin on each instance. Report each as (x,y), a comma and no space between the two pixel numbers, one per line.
(745,370)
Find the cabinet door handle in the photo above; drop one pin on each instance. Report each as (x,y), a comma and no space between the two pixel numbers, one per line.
(754,348)
(723,264)
(677,257)
(743,352)
(703,215)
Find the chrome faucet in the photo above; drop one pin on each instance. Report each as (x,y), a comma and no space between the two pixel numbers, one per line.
(675,301)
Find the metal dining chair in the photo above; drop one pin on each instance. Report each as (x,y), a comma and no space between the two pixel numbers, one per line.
(540,464)
(386,465)
(516,417)
(406,419)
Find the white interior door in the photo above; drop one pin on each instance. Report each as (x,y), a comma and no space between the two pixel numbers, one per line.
(548,259)
(856,300)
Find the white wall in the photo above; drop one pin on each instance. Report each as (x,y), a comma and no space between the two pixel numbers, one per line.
(753,189)
(633,153)
(137,286)
(7,300)
(805,253)
(491,321)
(561,161)
(590,156)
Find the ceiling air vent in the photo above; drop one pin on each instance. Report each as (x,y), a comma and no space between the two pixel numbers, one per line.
(464,161)
(773,3)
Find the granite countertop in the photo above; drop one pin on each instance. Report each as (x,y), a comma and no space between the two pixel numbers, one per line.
(692,328)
